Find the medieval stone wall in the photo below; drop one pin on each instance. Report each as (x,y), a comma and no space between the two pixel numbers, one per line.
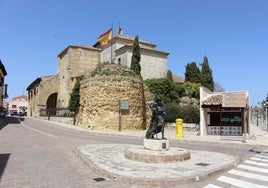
(73,62)
(40,93)
(100,96)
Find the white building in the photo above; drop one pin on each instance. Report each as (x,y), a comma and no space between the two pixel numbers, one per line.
(153,62)
(18,105)
(224,113)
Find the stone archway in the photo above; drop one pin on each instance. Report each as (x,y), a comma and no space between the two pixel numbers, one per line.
(52,103)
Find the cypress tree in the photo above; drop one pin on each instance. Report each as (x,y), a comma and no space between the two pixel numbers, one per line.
(170,75)
(75,96)
(206,73)
(192,73)
(136,57)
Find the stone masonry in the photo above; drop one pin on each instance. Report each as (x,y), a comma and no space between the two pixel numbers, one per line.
(100,96)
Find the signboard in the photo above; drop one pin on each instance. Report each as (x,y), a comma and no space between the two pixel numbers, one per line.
(123,105)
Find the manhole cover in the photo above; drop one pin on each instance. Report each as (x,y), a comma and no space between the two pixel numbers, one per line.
(202,164)
(98,179)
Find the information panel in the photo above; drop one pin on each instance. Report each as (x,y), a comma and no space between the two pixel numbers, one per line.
(123,105)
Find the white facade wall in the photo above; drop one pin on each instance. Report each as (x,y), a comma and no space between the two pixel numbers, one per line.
(124,58)
(153,66)
(153,62)
(204,116)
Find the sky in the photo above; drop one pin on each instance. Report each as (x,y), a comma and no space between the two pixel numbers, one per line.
(232,34)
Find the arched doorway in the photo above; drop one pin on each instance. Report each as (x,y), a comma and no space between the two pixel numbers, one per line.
(52,103)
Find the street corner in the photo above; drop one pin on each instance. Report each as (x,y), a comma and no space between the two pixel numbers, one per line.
(109,160)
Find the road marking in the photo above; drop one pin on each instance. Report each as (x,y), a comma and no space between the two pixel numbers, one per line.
(212,186)
(249,175)
(41,132)
(239,183)
(262,156)
(256,163)
(253,168)
(258,159)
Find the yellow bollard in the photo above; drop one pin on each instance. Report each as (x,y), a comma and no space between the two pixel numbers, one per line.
(179,131)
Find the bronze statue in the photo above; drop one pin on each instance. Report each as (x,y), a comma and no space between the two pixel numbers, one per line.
(157,122)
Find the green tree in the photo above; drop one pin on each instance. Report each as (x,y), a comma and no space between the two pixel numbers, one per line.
(191,89)
(75,96)
(170,75)
(206,74)
(192,73)
(136,57)
(165,89)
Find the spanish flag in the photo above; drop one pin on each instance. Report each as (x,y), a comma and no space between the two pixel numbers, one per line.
(105,37)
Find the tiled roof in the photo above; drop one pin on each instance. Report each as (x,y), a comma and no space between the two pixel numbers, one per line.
(20,97)
(213,99)
(227,99)
(178,79)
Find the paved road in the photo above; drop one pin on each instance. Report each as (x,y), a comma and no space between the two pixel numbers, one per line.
(250,173)
(36,153)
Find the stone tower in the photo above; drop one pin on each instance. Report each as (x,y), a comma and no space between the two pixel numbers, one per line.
(73,62)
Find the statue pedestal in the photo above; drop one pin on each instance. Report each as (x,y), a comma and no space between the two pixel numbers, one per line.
(156,144)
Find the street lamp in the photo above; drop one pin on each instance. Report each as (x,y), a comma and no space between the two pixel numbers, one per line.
(265,105)
(5,95)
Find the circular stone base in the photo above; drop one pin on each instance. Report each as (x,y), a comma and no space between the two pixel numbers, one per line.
(138,153)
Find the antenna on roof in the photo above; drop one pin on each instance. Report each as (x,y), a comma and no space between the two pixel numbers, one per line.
(119,30)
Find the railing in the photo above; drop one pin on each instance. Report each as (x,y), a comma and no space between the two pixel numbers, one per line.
(56,112)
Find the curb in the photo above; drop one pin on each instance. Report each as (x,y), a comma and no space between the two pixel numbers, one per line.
(138,136)
(153,181)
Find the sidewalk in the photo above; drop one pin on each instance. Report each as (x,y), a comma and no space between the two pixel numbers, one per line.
(257,136)
(108,160)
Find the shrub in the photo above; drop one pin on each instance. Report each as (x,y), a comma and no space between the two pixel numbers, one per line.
(171,112)
(189,114)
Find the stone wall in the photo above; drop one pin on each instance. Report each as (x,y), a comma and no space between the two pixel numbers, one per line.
(39,94)
(100,96)
(74,61)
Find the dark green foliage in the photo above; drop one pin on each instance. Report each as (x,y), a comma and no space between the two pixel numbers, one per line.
(165,89)
(112,69)
(75,96)
(191,89)
(136,57)
(206,73)
(189,114)
(171,112)
(192,73)
(170,75)
(170,93)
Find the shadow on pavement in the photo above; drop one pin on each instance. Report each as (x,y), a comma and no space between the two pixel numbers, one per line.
(3,162)
(10,120)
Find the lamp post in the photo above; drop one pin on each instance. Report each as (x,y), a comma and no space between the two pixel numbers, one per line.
(266,122)
(265,105)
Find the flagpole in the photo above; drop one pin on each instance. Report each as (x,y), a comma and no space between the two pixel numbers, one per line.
(111,45)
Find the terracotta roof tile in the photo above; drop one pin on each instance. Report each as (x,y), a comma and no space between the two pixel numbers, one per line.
(227,99)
